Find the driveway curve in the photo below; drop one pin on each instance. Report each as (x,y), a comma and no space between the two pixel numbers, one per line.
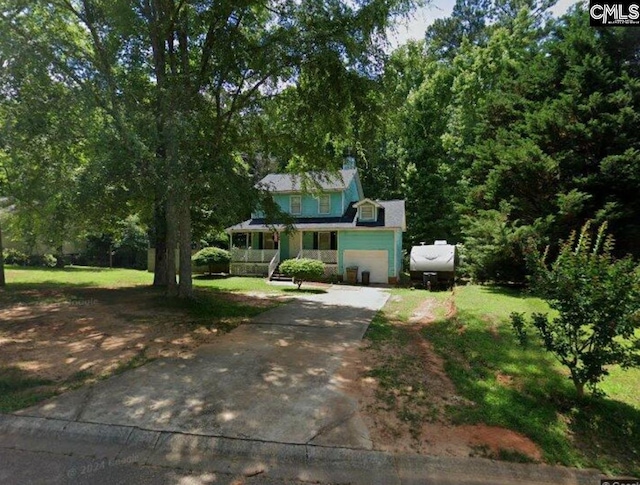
(273,379)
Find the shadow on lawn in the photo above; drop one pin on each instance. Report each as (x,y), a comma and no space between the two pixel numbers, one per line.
(310,291)
(513,291)
(66,269)
(208,306)
(520,389)
(608,433)
(213,276)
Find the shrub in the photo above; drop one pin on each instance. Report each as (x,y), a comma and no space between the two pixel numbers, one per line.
(42,260)
(210,257)
(13,256)
(302,269)
(598,303)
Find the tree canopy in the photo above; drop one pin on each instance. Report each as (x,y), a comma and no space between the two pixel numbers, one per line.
(173,89)
(503,125)
(507,125)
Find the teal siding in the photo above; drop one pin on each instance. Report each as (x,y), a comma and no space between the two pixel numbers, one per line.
(363,240)
(351,194)
(284,246)
(398,252)
(310,207)
(255,240)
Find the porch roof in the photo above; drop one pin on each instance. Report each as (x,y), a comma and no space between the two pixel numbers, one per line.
(390,216)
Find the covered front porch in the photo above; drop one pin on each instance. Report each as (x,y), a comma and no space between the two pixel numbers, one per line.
(260,252)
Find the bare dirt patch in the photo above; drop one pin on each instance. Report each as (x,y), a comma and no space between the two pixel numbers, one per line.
(407,412)
(92,332)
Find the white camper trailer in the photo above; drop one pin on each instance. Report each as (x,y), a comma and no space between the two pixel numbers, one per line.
(434,263)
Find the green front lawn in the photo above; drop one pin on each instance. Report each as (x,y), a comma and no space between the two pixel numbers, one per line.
(524,390)
(118,277)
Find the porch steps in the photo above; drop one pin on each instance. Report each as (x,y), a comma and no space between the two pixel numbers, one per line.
(278,276)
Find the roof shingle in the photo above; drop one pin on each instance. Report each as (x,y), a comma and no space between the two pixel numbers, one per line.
(286,182)
(391,215)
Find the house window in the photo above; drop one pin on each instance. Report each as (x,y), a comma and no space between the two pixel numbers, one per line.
(324,240)
(324,204)
(295,204)
(367,212)
(270,240)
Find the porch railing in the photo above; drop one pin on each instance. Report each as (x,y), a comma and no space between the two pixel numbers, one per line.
(328,256)
(273,265)
(252,255)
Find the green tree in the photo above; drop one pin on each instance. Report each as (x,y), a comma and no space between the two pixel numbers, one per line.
(178,80)
(302,270)
(598,302)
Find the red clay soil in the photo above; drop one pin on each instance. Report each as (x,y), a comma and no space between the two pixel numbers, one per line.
(435,435)
(97,331)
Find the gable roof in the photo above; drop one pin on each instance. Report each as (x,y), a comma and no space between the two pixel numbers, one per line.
(394,212)
(376,203)
(287,182)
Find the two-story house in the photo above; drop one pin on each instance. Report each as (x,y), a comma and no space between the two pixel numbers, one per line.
(336,224)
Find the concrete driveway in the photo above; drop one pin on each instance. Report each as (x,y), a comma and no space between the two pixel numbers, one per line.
(271,380)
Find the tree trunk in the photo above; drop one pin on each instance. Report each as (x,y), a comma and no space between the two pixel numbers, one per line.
(3,282)
(172,241)
(185,288)
(60,257)
(160,276)
(579,387)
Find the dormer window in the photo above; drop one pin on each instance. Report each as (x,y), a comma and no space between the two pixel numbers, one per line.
(324,204)
(295,204)
(367,212)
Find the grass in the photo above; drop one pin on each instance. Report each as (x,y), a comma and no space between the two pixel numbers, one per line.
(76,276)
(19,390)
(400,374)
(527,391)
(88,276)
(524,390)
(401,305)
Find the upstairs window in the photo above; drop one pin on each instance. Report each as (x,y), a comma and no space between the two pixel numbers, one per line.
(367,212)
(324,204)
(295,204)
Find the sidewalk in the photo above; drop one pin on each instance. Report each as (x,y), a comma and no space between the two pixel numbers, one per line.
(273,461)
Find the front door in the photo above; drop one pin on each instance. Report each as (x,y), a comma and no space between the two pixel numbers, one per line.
(295,244)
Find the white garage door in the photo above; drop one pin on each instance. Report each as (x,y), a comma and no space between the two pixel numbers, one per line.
(376,262)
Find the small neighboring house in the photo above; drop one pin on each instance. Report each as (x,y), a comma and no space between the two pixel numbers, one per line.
(337,225)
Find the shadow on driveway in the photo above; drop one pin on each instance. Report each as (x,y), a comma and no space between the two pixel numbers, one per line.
(273,379)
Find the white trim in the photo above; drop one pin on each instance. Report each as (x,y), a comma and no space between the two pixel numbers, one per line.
(367,201)
(395,253)
(328,211)
(374,212)
(291,205)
